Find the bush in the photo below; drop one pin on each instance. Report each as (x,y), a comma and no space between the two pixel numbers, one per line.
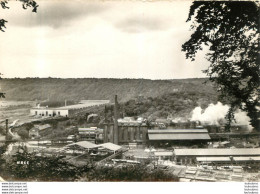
(128,173)
(23,133)
(41,168)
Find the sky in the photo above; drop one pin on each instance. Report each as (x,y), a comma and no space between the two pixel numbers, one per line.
(101,39)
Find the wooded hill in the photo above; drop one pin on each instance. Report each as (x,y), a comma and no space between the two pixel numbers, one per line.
(100,89)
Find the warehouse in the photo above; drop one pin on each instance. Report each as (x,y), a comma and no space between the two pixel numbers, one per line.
(179,136)
(82,147)
(217,156)
(164,155)
(79,147)
(65,111)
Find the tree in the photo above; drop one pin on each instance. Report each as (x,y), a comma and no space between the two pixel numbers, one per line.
(23,133)
(230,30)
(128,173)
(25,166)
(2,95)
(25,4)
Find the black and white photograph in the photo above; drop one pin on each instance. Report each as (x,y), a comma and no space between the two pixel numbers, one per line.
(129,91)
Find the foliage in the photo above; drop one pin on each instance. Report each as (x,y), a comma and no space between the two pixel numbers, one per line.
(2,95)
(99,89)
(25,4)
(172,104)
(55,168)
(128,173)
(23,133)
(41,168)
(230,30)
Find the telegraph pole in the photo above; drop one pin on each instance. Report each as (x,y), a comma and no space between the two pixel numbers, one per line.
(6,129)
(115,132)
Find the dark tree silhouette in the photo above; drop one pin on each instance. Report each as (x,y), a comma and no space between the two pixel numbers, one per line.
(230,30)
(25,5)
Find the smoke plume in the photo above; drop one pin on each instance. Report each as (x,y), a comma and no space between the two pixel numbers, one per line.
(215,114)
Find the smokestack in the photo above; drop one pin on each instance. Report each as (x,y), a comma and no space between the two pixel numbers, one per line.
(65,102)
(6,128)
(115,121)
(106,112)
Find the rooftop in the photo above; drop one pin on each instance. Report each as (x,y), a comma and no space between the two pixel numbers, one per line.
(256,158)
(163,153)
(179,136)
(110,146)
(89,145)
(160,131)
(212,159)
(218,152)
(84,144)
(85,103)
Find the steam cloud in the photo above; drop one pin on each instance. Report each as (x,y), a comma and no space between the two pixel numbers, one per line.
(215,114)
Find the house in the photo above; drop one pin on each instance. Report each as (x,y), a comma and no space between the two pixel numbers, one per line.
(39,130)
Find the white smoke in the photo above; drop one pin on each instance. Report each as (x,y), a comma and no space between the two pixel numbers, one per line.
(215,114)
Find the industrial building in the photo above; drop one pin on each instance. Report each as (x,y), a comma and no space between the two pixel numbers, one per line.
(217,156)
(82,147)
(92,134)
(180,136)
(66,111)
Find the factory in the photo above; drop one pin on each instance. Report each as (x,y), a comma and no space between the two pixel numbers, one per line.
(65,111)
(180,136)
(225,156)
(82,147)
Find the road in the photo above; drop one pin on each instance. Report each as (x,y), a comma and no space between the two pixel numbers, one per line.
(2,138)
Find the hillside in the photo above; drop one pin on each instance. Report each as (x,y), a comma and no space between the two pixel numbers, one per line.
(172,105)
(99,89)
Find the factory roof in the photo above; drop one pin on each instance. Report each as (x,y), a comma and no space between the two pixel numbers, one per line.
(84,104)
(89,145)
(160,131)
(256,158)
(87,129)
(163,153)
(179,136)
(224,159)
(212,159)
(110,146)
(218,152)
(84,144)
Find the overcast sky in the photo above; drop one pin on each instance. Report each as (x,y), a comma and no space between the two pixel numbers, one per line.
(112,39)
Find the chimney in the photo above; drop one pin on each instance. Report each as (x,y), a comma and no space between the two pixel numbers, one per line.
(6,128)
(115,121)
(65,102)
